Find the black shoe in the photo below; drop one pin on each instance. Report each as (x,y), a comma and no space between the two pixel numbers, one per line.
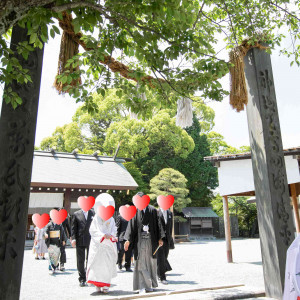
(120,266)
(128,270)
(37,258)
(62,267)
(82,284)
(43,258)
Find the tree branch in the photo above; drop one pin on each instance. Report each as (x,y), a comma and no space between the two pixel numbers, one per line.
(285,10)
(13,11)
(118,16)
(200,10)
(230,21)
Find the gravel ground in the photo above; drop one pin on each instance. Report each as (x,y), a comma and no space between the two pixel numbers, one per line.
(195,265)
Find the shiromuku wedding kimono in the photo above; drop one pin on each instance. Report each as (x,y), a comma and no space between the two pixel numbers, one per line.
(292,272)
(103,254)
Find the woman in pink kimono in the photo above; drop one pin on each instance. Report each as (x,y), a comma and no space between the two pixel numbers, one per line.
(103,254)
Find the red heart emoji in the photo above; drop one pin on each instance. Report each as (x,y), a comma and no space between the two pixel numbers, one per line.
(105,212)
(127,212)
(165,202)
(40,221)
(141,202)
(58,216)
(86,203)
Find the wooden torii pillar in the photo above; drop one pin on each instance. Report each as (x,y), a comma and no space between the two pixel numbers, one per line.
(17,134)
(274,212)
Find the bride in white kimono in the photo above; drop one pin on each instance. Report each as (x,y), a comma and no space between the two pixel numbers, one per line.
(103,253)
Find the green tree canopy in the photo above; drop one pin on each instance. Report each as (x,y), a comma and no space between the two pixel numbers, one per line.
(218,146)
(201,175)
(138,135)
(168,46)
(170,182)
(65,139)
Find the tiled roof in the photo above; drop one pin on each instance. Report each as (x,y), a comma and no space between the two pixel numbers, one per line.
(247,155)
(80,171)
(199,212)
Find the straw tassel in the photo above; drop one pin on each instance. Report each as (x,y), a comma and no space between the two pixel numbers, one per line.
(238,88)
(68,48)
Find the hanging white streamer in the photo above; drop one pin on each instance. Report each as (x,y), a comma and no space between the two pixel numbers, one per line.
(136,115)
(184,117)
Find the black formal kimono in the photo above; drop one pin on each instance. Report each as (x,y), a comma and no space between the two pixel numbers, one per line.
(81,234)
(56,236)
(144,232)
(121,229)
(163,265)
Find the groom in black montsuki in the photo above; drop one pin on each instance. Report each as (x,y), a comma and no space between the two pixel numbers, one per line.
(81,240)
(144,232)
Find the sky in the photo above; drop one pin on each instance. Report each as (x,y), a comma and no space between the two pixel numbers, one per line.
(57,110)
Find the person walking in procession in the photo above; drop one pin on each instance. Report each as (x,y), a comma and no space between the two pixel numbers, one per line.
(39,243)
(122,226)
(55,237)
(81,240)
(103,253)
(63,256)
(163,266)
(145,232)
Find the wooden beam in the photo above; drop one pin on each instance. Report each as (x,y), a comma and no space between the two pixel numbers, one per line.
(67,200)
(227,229)
(295,206)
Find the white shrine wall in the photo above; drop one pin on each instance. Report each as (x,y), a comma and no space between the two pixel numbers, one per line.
(236,176)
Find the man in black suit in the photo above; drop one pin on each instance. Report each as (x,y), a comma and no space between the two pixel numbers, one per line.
(163,266)
(122,226)
(81,240)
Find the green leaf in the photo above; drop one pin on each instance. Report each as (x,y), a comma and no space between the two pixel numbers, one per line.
(52,33)
(69,79)
(56,29)
(19,100)
(76,26)
(33,38)
(64,79)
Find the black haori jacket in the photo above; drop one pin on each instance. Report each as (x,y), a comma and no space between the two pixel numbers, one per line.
(134,230)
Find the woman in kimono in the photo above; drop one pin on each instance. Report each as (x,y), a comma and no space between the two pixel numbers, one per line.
(55,238)
(103,253)
(40,243)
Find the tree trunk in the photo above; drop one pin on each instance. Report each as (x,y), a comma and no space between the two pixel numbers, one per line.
(11,11)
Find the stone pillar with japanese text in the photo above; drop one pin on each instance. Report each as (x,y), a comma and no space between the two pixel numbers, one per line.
(275,217)
(17,135)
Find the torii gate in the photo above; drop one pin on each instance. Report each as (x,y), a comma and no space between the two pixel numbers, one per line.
(17,136)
